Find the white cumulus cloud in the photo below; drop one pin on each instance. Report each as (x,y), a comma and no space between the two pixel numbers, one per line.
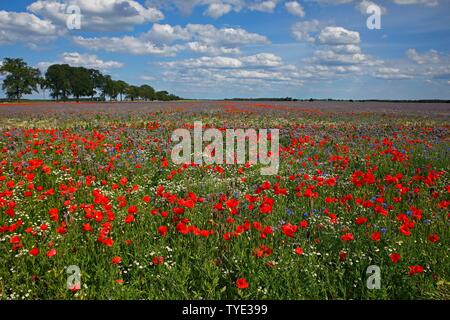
(430,3)
(303,30)
(295,8)
(26,27)
(98,15)
(363,5)
(431,56)
(339,36)
(89,61)
(216,10)
(126,44)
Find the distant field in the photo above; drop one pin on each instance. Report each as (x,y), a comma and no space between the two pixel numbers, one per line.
(423,109)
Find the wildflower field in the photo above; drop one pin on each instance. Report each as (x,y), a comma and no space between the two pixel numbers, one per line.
(95,187)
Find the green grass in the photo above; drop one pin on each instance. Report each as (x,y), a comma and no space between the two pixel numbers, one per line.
(196,267)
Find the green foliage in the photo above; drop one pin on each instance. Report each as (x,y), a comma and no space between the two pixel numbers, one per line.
(20,78)
(109,88)
(121,87)
(57,81)
(146,92)
(132,93)
(64,81)
(80,82)
(166,96)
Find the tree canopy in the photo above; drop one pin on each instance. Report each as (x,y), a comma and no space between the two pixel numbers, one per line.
(65,81)
(20,79)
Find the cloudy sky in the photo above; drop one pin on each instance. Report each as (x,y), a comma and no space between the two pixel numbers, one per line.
(243,48)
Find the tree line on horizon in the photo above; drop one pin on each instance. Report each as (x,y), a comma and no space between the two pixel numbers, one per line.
(65,81)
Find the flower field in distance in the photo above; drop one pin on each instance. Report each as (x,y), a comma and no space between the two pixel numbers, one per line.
(95,188)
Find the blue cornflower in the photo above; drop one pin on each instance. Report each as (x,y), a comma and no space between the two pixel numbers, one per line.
(289,212)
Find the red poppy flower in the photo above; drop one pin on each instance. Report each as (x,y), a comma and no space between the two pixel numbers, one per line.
(361,220)
(162,230)
(14,240)
(257,225)
(132,210)
(182,228)
(433,238)
(405,230)
(123,181)
(232,203)
(87,227)
(299,251)
(414,270)
(158,260)
(53,214)
(51,253)
(303,224)
(395,257)
(74,288)
(376,236)
(129,219)
(227,236)
(178,210)
(116,260)
(34,252)
(241,283)
(267,205)
(262,251)
(204,233)
(347,237)
(342,256)
(186,203)
(266,185)
(289,230)
(62,229)
(108,242)
(331,182)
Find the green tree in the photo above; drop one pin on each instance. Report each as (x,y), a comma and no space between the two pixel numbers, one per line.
(57,81)
(109,88)
(96,81)
(162,96)
(104,87)
(20,78)
(64,80)
(132,93)
(121,87)
(173,97)
(146,92)
(80,82)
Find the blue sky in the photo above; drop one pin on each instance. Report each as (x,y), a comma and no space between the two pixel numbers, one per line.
(243,48)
